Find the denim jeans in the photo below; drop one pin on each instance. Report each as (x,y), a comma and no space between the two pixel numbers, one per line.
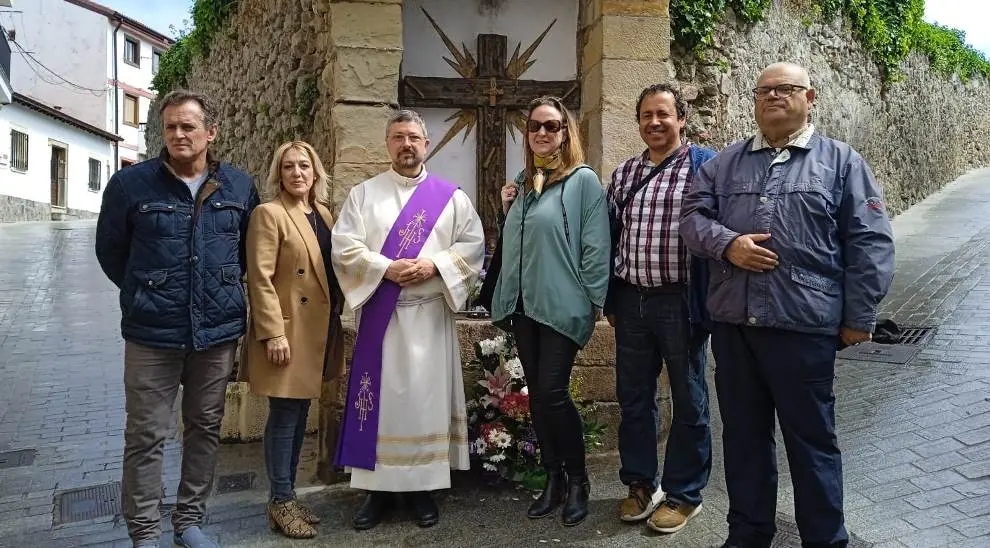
(651,330)
(284,435)
(547,358)
(761,372)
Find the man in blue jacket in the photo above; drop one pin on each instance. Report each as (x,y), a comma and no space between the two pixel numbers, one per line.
(801,253)
(171,236)
(653,303)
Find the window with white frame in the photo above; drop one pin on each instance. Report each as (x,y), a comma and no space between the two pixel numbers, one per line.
(18,150)
(156,59)
(95,172)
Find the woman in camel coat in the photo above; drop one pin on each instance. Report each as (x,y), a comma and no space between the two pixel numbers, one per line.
(293,341)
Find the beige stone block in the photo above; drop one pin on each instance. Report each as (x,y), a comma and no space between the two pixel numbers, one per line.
(245,415)
(346,176)
(623,79)
(591,127)
(628,37)
(590,12)
(591,90)
(330,420)
(608,413)
(635,7)
(592,46)
(366,75)
(600,349)
(596,383)
(620,135)
(359,133)
(366,25)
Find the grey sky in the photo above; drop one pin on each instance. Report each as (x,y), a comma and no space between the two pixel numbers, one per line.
(971,16)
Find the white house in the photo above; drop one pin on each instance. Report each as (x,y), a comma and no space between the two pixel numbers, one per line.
(52,165)
(108,58)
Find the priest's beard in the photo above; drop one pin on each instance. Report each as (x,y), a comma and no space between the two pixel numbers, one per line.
(408,160)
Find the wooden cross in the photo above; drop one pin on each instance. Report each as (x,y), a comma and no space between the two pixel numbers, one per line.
(492,92)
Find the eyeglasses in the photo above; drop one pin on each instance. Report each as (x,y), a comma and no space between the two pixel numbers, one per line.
(552,126)
(783,90)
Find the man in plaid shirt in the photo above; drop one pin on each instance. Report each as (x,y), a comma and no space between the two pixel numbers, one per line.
(656,305)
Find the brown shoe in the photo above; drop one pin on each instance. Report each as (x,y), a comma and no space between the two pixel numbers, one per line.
(672,516)
(304,512)
(282,519)
(640,503)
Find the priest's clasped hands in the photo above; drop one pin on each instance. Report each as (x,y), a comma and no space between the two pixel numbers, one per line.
(406,272)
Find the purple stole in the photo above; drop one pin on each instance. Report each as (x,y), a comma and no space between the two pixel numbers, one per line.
(358,443)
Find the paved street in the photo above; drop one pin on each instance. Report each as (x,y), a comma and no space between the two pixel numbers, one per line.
(915,437)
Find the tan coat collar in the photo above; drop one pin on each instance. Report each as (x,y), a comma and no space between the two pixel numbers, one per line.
(298,217)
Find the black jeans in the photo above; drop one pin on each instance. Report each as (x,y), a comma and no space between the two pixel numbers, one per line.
(761,372)
(547,358)
(284,435)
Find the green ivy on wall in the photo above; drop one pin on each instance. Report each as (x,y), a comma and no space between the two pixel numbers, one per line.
(888,29)
(694,21)
(208,18)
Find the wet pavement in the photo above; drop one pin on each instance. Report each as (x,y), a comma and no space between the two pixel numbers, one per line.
(915,437)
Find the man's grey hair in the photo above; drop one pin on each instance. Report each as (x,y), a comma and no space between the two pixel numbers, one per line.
(180,96)
(406,115)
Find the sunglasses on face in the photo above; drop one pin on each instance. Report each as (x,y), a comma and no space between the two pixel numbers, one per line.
(552,126)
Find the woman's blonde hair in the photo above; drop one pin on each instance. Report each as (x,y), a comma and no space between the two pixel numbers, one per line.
(320,192)
(571,151)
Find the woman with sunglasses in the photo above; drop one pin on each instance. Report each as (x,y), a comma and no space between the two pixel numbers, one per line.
(553,280)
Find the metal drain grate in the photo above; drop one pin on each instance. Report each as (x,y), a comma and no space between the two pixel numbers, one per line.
(232,483)
(87,503)
(909,342)
(916,335)
(21,457)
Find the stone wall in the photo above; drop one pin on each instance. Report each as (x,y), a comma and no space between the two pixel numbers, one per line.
(314,70)
(917,134)
(13,210)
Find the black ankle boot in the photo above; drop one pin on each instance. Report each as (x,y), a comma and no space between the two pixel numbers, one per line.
(576,505)
(375,506)
(424,509)
(553,494)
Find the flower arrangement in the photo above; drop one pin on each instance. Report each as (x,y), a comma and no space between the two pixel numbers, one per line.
(500,429)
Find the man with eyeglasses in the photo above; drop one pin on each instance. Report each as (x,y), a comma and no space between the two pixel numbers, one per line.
(656,304)
(801,254)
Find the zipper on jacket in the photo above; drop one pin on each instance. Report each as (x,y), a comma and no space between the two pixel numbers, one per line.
(522,234)
(198,200)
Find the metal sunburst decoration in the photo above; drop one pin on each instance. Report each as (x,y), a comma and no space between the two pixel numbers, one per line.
(465,65)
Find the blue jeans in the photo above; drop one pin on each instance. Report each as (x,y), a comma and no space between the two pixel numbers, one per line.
(762,371)
(651,330)
(284,435)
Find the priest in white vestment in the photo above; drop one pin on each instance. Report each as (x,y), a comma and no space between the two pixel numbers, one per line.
(422,421)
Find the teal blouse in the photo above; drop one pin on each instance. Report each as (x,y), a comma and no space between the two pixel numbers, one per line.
(555,256)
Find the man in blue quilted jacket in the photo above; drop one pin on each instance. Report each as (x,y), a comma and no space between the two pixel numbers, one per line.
(171,236)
